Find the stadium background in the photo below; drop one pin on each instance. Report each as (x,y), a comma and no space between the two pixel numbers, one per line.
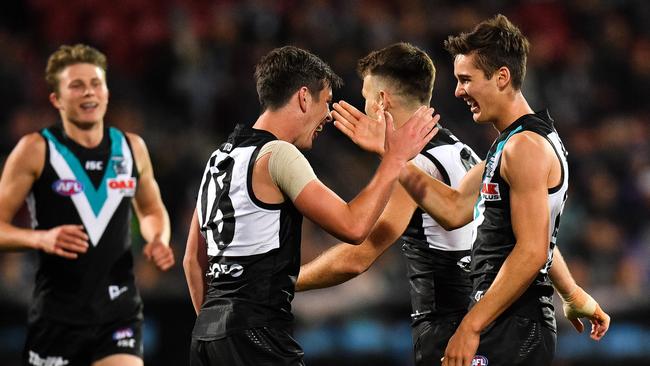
(180,75)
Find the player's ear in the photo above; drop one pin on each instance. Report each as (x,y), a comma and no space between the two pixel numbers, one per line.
(503,77)
(303,96)
(384,99)
(54,99)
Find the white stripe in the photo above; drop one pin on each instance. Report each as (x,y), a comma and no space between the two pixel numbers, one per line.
(95,225)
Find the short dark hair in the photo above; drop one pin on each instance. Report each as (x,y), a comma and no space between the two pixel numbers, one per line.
(281,72)
(408,67)
(496,42)
(69,55)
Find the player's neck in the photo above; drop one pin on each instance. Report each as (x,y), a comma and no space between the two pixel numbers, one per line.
(273,122)
(513,109)
(401,115)
(88,135)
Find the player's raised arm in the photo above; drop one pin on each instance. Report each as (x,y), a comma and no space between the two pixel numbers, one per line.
(351,222)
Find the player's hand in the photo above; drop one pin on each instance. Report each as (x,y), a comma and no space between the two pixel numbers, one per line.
(160,254)
(579,304)
(364,131)
(462,347)
(67,241)
(407,141)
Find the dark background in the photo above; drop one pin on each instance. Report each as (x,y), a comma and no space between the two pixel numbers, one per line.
(180,75)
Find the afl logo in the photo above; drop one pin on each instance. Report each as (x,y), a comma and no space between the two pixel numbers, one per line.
(67,187)
(479,361)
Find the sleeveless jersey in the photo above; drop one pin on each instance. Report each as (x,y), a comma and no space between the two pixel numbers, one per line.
(93,188)
(437,259)
(495,238)
(253,247)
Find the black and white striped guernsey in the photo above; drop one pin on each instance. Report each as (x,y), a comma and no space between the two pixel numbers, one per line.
(437,260)
(253,247)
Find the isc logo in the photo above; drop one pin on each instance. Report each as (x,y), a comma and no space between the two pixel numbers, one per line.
(234,270)
(479,361)
(67,187)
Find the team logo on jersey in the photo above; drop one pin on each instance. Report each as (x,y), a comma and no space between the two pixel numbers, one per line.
(216,270)
(122,333)
(67,187)
(124,338)
(38,360)
(125,185)
(464,263)
(479,361)
(115,291)
(478,295)
(490,192)
(119,165)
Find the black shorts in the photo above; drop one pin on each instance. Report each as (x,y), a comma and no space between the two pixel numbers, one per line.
(516,340)
(430,340)
(52,343)
(253,347)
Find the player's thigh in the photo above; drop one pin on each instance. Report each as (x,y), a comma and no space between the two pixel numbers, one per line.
(119,360)
(430,340)
(121,338)
(517,340)
(52,343)
(254,347)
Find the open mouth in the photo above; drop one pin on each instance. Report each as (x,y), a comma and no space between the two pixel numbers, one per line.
(473,105)
(319,128)
(89,106)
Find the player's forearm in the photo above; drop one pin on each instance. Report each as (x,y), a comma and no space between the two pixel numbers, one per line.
(445,204)
(155,225)
(333,267)
(365,208)
(560,274)
(14,238)
(516,274)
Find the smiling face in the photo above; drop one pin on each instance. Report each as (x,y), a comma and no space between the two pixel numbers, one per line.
(82,95)
(317,115)
(479,92)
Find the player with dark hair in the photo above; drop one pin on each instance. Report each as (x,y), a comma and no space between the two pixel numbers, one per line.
(245,233)
(523,186)
(399,78)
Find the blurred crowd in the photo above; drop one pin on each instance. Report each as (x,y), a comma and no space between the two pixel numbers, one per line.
(181,75)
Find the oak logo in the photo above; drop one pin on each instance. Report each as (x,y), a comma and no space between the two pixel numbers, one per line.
(125,185)
(490,192)
(67,187)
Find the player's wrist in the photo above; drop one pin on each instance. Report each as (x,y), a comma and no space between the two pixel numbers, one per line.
(36,239)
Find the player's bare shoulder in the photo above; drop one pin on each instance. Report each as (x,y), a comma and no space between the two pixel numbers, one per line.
(140,152)
(29,154)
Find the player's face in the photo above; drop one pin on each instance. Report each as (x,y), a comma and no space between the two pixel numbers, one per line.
(370,92)
(475,89)
(317,116)
(83,95)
